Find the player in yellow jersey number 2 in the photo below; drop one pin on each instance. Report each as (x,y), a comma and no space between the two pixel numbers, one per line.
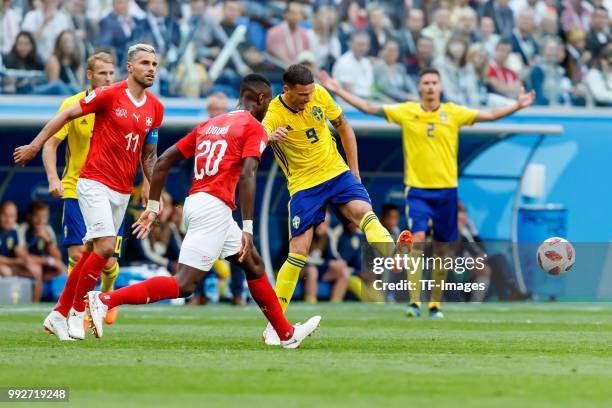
(430,134)
(317,175)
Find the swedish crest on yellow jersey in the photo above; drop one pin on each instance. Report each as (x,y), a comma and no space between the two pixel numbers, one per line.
(310,155)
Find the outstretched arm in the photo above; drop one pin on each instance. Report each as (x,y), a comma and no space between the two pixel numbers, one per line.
(349,143)
(525,100)
(23,154)
(363,105)
(246,186)
(159,174)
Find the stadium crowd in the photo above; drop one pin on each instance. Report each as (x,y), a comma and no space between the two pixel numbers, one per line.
(483,49)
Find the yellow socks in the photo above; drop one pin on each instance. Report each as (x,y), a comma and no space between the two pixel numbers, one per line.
(287,278)
(437,275)
(71,264)
(376,234)
(109,276)
(414,277)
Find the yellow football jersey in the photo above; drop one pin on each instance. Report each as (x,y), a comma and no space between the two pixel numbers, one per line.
(78,132)
(430,142)
(310,155)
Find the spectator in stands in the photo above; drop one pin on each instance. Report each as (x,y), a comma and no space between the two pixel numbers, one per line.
(323,37)
(409,35)
(231,12)
(42,242)
(576,14)
(378,29)
(64,71)
(390,77)
(209,36)
(439,31)
(502,80)
(352,18)
(46,24)
(351,249)
(467,26)
(576,63)
(23,56)
(324,263)
(502,15)
(549,28)
(9,24)
(539,8)
(85,29)
(390,218)
(217,104)
(116,29)
(488,37)
(478,62)
(456,11)
(458,79)
(424,58)
(548,77)
(353,69)
(159,29)
(14,256)
(599,35)
(288,39)
(599,78)
(496,269)
(522,39)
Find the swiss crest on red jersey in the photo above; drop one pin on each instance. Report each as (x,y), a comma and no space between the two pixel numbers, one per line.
(149,121)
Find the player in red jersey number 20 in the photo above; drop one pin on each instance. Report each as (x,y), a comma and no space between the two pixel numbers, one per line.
(227,149)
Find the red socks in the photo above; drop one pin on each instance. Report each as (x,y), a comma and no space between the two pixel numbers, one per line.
(150,291)
(65,301)
(265,297)
(92,269)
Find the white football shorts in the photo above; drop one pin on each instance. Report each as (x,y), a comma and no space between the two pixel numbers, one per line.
(212,232)
(103,209)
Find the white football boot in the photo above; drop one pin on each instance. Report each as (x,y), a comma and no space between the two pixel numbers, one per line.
(301,332)
(270,337)
(76,328)
(56,324)
(96,310)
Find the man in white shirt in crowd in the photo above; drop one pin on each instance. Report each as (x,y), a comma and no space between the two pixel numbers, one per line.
(353,69)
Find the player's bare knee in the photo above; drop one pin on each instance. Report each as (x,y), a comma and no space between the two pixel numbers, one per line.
(299,247)
(105,247)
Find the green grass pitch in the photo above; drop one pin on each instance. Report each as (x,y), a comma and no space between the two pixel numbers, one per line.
(491,355)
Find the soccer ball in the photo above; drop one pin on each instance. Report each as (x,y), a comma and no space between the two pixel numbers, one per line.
(556,256)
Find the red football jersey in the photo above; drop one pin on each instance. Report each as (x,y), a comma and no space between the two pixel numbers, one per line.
(219,146)
(121,126)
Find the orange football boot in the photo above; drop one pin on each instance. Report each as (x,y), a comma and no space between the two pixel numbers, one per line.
(111,315)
